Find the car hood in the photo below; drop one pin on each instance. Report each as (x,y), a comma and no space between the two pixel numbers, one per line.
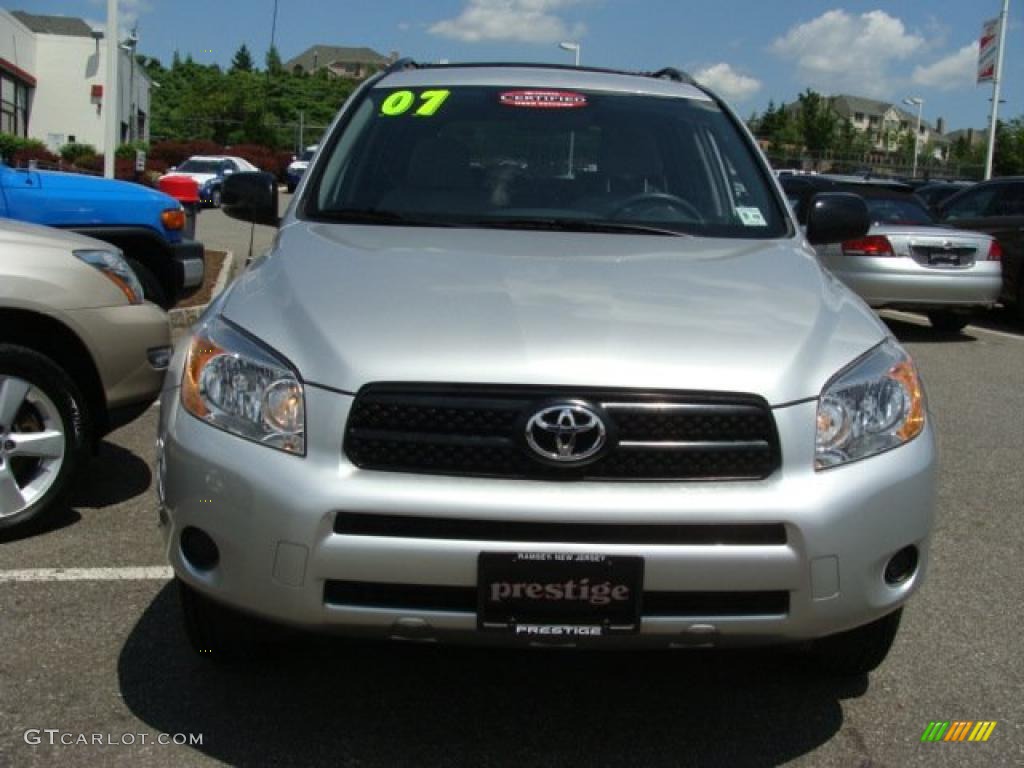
(349,305)
(298,165)
(20,234)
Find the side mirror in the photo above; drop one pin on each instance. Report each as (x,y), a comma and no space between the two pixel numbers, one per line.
(251,196)
(833,217)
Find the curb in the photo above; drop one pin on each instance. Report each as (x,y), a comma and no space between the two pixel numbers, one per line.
(183,318)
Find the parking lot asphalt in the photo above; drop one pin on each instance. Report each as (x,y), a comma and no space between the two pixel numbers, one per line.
(108,657)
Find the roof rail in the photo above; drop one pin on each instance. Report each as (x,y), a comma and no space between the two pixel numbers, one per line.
(671,73)
(401,64)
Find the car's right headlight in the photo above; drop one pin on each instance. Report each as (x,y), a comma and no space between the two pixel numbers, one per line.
(875,404)
(237,384)
(113,266)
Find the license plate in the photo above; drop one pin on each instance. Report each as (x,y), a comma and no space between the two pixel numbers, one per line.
(940,259)
(558,595)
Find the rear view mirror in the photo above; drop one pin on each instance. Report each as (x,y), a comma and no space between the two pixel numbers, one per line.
(251,196)
(833,217)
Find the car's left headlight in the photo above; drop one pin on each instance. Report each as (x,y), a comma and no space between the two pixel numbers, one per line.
(116,269)
(237,384)
(875,404)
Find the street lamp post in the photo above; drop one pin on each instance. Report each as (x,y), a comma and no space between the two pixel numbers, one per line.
(571,46)
(918,102)
(575,48)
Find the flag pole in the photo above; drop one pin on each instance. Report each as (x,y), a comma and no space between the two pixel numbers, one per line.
(996,83)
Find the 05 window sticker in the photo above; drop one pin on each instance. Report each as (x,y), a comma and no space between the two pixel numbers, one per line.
(422,104)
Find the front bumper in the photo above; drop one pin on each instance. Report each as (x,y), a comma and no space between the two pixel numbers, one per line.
(189,263)
(132,369)
(272,515)
(902,282)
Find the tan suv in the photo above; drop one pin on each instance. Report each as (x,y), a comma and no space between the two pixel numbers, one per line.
(81,353)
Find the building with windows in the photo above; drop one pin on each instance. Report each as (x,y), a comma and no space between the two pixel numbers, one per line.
(349,63)
(887,124)
(52,82)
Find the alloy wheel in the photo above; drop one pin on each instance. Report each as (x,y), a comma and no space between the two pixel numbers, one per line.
(32,444)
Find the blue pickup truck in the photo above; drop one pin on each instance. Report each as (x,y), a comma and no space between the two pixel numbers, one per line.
(145,224)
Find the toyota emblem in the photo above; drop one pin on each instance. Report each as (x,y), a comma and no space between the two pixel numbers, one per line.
(566,433)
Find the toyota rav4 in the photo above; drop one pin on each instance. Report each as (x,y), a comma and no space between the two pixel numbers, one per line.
(540,356)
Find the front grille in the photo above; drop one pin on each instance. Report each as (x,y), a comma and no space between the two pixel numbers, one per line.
(413,527)
(480,431)
(421,597)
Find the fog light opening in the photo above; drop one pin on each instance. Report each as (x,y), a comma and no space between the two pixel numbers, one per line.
(199,549)
(901,566)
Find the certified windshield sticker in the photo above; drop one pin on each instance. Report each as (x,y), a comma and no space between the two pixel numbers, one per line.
(543,99)
(426,103)
(751,217)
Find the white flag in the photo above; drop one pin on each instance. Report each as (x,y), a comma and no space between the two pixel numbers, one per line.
(988,51)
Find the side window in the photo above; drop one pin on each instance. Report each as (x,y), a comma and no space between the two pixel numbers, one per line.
(971,205)
(1009,201)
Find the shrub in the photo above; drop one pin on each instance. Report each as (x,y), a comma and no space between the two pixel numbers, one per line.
(11,144)
(257,154)
(175,152)
(128,150)
(40,154)
(72,153)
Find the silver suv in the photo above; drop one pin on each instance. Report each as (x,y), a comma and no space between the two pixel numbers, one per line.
(540,357)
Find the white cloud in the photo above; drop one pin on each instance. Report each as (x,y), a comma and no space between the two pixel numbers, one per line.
(841,52)
(726,81)
(958,70)
(524,21)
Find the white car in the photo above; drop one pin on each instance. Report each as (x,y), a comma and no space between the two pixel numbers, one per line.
(298,166)
(209,171)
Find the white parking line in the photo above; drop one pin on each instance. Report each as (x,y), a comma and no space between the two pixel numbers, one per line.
(154,572)
(919,320)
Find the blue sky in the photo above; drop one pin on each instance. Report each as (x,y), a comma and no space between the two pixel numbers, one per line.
(750,50)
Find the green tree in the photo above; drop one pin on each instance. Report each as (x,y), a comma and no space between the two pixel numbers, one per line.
(816,121)
(242,61)
(275,66)
(1008,159)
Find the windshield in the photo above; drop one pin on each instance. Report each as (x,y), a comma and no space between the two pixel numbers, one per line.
(307,155)
(517,158)
(893,210)
(201,166)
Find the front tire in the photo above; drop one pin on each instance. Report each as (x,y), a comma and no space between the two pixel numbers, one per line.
(151,287)
(857,651)
(45,433)
(947,321)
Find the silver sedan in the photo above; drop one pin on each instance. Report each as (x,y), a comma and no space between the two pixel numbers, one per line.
(906,261)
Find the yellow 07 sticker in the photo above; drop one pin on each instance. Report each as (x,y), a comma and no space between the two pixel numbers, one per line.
(400,102)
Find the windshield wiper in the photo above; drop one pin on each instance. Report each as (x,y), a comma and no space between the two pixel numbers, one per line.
(376,216)
(578,225)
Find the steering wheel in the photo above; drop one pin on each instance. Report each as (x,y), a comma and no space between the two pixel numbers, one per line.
(663,198)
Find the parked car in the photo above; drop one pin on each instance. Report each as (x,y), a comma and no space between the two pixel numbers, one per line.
(995,207)
(144,224)
(907,261)
(81,353)
(209,172)
(626,407)
(298,166)
(934,193)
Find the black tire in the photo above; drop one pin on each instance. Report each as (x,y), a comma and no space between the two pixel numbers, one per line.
(44,374)
(150,285)
(219,633)
(290,188)
(947,321)
(857,651)
(215,198)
